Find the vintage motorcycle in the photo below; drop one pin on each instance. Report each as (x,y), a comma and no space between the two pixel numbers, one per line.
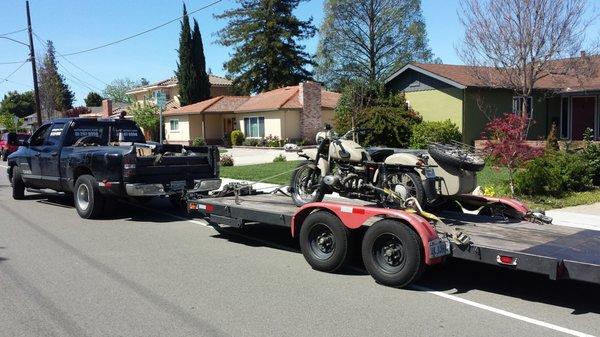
(341,165)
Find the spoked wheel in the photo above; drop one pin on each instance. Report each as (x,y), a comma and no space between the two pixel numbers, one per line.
(324,241)
(305,184)
(406,184)
(392,253)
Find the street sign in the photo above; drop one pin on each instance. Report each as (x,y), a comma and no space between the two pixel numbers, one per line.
(161,99)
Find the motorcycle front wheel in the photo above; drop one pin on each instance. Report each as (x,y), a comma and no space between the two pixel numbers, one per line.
(305,184)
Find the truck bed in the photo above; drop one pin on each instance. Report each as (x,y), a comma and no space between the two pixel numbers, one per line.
(557,251)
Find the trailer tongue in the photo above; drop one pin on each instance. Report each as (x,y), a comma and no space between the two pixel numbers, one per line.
(397,245)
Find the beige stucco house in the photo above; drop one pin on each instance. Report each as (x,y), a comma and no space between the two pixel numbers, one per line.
(219,86)
(294,112)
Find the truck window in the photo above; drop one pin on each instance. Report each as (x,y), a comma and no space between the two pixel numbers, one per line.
(40,135)
(80,130)
(55,134)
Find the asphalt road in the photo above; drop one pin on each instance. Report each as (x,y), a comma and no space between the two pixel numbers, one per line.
(147,272)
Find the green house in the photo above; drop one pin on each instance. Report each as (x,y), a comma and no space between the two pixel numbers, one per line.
(442,91)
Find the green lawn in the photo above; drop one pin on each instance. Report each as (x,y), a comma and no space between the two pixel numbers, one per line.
(261,171)
(498,178)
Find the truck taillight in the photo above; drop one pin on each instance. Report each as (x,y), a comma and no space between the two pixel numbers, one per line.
(129,165)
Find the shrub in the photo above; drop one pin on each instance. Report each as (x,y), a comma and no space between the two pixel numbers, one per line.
(554,173)
(198,142)
(237,137)
(592,155)
(389,126)
(251,142)
(226,160)
(430,132)
(272,141)
(279,158)
(505,144)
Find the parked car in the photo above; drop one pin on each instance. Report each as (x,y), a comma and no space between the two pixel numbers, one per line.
(9,143)
(99,160)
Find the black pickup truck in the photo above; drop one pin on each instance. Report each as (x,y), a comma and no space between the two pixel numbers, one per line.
(99,160)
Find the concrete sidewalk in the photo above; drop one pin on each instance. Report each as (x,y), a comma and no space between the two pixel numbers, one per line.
(583,216)
(244,156)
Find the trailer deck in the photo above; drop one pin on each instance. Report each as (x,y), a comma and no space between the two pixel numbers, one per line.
(556,251)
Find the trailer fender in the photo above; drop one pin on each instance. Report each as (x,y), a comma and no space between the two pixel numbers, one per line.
(354,217)
(518,206)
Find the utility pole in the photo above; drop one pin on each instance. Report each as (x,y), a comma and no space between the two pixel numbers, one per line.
(38,110)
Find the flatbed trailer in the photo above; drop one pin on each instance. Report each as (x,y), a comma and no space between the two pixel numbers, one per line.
(397,245)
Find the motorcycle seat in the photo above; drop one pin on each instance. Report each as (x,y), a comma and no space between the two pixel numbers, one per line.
(378,154)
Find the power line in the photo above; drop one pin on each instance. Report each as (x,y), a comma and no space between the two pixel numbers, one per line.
(14,32)
(14,62)
(39,38)
(76,80)
(143,32)
(14,71)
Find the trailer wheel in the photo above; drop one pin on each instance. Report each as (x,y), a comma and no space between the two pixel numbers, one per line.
(324,241)
(88,200)
(392,253)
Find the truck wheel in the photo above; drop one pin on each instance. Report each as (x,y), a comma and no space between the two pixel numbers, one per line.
(18,186)
(392,253)
(324,241)
(88,200)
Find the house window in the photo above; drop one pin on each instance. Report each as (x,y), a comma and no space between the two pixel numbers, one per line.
(174,125)
(564,118)
(254,127)
(517,105)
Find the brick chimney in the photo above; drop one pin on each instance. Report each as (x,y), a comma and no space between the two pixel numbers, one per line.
(106,108)
(309,94)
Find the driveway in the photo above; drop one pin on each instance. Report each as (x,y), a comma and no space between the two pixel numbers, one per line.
(249,156)
(583,216)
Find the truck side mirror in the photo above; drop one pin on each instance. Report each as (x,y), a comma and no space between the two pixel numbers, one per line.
(24,142)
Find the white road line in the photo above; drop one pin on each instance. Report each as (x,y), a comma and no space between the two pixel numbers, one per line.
(4,166)
(416,287)
(502,312)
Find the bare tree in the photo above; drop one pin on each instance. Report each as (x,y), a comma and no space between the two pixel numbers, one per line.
(367,39)
(515,44)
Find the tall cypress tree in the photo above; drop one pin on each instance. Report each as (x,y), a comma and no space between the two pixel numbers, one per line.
(265,35)
(185,66)
(200,65)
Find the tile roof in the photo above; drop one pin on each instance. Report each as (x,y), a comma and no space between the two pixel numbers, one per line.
(213,79)
(282,98)
(561,76)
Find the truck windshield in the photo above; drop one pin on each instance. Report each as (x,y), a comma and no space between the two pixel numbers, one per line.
(106,131)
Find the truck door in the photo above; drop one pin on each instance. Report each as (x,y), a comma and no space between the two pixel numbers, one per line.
(49,158)
(31,171)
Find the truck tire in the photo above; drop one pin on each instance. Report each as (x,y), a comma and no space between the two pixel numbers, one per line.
(18,186)
(325,241)
(88,200)
(392,253)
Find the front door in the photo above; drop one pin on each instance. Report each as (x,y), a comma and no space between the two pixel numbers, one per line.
(31,171)
(228,125)
(49,157)
(583,112)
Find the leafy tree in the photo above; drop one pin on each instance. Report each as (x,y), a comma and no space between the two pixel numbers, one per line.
(55,94)
(200,65)
(369,106)
(434,132)
(264,36)
(20,105)
(76,111)
(146,116)
(505,144)
(368,39)
(11,122)
(93,99)
(118,88)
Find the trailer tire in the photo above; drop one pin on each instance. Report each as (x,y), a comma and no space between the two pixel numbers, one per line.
(325,241)
(88,200)
(18,186)
(392,253)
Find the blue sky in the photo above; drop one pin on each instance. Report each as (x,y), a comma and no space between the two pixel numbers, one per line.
(78,25)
